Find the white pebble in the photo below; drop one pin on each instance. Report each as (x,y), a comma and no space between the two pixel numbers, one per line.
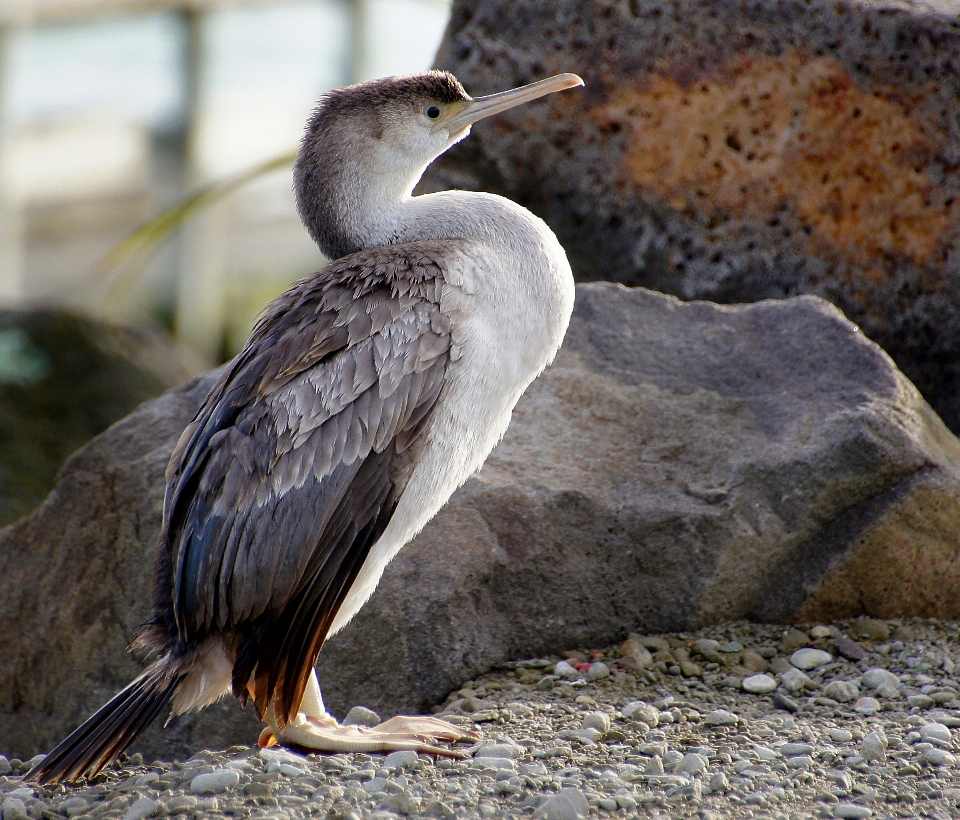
(765,753)
(867,706)
(721,717)
(759,684)
(638,710)
(566,670)
(361,716)
(508,750)
(598,671)
(840,736)
(820,632)
(399,760)
(873,747)
(144,807)
(216,782)
(597,720)
(874,678)
(851,811)
(691,764)
(842,690)
(718,783)
(936,733)
(810,658)
(794,680)
(932,757)
(567,804)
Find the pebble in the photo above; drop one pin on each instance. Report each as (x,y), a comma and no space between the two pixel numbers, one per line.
(361,716)
(731,646)
(216,782)
(759,684)
(781,701)
(5,767)
(142,808)
(721,717)
(691,764)
(567,804)
(794,681)
(840,735)
(791,749)
(873,747)
(597,720)
(932,757)
(14,809)
(819,632)
(876,677)
(850,650)
(638,710)
(400,760)
(936,733)
(598,671)
(807,658)
(851,811)
(867,706)
(566,671)
(842,691)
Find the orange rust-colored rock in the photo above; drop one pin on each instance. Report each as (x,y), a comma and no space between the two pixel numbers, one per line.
(733,151)
(766,134)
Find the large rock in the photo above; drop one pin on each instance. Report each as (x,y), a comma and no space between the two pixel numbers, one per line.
(681,463)
(64,378)
(736,150)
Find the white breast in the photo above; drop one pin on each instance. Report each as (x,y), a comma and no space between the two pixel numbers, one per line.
(509,301)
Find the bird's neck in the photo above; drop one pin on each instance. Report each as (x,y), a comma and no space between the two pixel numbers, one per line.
(360,202)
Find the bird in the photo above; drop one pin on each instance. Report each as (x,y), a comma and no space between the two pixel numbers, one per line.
(364,397)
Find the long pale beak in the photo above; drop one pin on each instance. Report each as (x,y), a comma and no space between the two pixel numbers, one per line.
(464,114)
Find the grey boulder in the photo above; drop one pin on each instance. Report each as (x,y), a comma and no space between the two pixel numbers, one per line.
(679,464)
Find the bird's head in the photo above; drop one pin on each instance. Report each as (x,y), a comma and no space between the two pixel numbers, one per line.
(366,146)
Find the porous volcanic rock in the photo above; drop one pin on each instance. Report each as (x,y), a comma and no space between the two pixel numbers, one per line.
(736,150)
(680,464)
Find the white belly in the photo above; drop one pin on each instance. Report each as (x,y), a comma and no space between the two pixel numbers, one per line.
(504,337)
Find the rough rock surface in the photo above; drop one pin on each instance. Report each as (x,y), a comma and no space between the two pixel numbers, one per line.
(680,464)
(732,150)
(64,379)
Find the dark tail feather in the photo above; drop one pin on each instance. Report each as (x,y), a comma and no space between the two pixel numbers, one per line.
(103,737)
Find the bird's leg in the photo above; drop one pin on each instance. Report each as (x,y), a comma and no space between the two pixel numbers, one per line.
(313,728)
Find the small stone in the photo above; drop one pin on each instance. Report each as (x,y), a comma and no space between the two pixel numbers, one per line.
(509,751)
(361,716)
(690,670)
(871,629)
(182,804)
(873,747)
(567,804)
(759,684)
(403,802)
(840,736)
(920,702)
(794,681)
(638,710)
(851,811)
(850,650)
(781,701)
(625,801)
(718,782)
(566,671)
(889,690)
(932,757)
(936,733)
(400,760)
(810,658)
(753,661)
(598,671)
(779,665)
(14,809)
(143,808)
(721,717)
(799,762)
(793,749)
(73,806)
(874,678)
(707,649)
(607,804)
(634,656)
(258,789)
(842,691)
(672,758)
(867,706)
(215,782)
(819,632)
(5,767)
(597,720)
(654,766)
(731,647)
(691,764)
(793,639)
(765,753)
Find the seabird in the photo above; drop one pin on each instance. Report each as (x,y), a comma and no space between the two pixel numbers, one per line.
(365,395)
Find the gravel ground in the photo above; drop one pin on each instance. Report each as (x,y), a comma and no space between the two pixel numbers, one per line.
(856,719)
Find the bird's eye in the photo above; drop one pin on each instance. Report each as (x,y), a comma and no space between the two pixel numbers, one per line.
(433,112)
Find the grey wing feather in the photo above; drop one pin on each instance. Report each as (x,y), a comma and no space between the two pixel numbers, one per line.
(344,365)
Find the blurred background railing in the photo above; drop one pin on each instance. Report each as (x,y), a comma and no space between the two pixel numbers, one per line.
(111,110)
